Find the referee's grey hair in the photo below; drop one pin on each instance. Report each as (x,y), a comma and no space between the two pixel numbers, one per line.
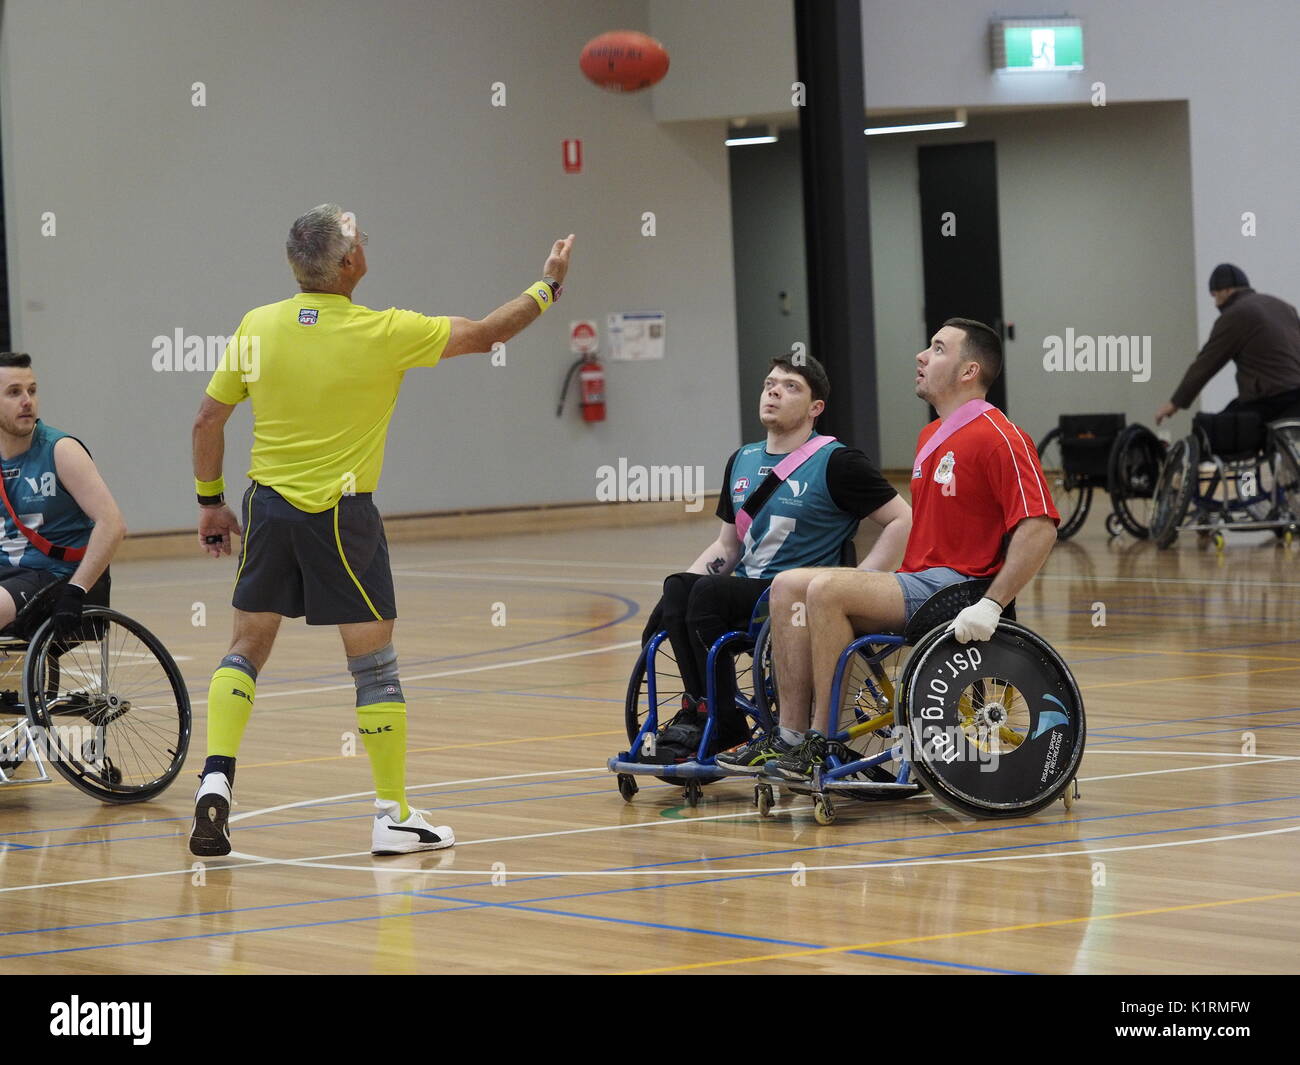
(316,246)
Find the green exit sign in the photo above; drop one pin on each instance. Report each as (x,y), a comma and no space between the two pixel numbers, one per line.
(1034,46)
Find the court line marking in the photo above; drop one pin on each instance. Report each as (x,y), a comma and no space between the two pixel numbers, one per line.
(275,809)
(349,686)
(245,860)
(960,935)
(765,870)
(1219,582)
(520,578)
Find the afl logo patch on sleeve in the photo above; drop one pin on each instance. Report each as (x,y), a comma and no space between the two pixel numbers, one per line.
(307,316)
(742,483)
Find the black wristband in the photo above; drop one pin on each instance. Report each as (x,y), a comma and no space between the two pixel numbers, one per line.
(212,501)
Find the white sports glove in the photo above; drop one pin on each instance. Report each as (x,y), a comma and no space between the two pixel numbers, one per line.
(977,622)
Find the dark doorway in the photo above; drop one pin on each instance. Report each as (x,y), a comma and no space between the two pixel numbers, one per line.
(959,240)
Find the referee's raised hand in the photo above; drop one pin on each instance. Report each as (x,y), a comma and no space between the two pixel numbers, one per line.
(557,263)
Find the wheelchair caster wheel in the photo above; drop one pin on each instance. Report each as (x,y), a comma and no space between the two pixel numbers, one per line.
(627,786)
(823,810)
(1113,525)
(691,793)
(1220,541)
(763,799)
(1070,795)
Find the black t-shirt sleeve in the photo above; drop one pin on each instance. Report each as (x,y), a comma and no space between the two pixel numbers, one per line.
(725,510)
(855,485)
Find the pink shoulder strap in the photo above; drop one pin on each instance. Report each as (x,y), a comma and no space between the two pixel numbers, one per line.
(781,471)
(958,419)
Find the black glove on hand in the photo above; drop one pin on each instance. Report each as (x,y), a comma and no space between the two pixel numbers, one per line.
(67,611)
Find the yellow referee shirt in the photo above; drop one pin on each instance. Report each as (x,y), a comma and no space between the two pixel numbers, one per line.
(323,374)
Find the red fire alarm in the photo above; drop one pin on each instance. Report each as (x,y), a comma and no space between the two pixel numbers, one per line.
(573,157)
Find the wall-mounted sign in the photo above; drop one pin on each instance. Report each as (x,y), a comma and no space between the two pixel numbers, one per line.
(1036,46)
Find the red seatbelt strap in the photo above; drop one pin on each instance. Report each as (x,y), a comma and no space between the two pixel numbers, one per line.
(54,551)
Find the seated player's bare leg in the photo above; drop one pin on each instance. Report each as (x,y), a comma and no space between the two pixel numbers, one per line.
(8,611)
(791,646)
(841,604)
(254,636)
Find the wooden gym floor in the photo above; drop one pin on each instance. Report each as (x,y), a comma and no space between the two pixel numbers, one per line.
(1179,858)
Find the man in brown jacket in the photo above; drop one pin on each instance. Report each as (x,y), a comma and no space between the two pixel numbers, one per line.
(1262,335)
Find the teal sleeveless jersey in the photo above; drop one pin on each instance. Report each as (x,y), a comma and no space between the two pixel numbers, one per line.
(800,525)
(44,505)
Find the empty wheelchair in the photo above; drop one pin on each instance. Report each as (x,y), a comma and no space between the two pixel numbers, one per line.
(1100,451)
(990,729)
(656,689)
(1232,473)
(106,706)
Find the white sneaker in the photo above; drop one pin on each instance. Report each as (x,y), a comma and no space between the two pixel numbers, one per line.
(210,837)
(391,836)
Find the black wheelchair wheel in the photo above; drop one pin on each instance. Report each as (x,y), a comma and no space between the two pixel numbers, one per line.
(668,691)
(996,728)
(1174,489)
(765,673)
(111,705)
(1287,474)
(1132,474)
(1071,498)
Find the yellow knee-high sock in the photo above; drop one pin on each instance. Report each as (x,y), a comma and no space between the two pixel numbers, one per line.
(383,731)
(230,702)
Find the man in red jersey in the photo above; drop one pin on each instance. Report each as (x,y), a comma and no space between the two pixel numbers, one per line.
(981,508)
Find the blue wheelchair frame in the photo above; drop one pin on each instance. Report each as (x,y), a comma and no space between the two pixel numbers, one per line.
(841,777)
(1216,497)
(702,769)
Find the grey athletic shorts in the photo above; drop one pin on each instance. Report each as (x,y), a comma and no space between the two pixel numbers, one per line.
(919,586)
(331,567)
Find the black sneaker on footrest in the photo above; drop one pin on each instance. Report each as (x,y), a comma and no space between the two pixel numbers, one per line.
(679,740)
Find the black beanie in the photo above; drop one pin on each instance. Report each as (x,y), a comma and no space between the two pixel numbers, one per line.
(1225,275)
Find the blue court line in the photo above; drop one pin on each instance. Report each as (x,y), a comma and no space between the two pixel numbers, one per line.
(924,836)
(631,609)
(500,691)
(1184,735)
(688,861)
(199,913)
(231,932)
(456,907)
(751,939)
(322,820)
(164,820)
(1199,717)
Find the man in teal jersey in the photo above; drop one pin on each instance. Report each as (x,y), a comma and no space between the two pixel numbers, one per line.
(58,496)
(804,523)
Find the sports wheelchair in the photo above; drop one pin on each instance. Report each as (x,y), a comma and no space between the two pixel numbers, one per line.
(656,686)
(1089,451)
(106,705)
(991,729)
(1233,472)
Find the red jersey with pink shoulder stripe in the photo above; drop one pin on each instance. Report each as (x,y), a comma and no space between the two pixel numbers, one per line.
(975,488)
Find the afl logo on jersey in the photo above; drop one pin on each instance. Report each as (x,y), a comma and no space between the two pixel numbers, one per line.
(742,483)
(307,316)
(943,472)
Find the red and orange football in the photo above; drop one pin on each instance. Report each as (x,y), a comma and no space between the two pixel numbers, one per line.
(624,61)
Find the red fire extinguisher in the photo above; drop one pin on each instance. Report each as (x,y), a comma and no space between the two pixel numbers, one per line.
(591,385)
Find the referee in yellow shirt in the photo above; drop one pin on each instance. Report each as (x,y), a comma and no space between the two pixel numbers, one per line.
(323,374)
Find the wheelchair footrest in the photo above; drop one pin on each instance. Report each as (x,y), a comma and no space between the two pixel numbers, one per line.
(17,746)
(622,763)
(846,787)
